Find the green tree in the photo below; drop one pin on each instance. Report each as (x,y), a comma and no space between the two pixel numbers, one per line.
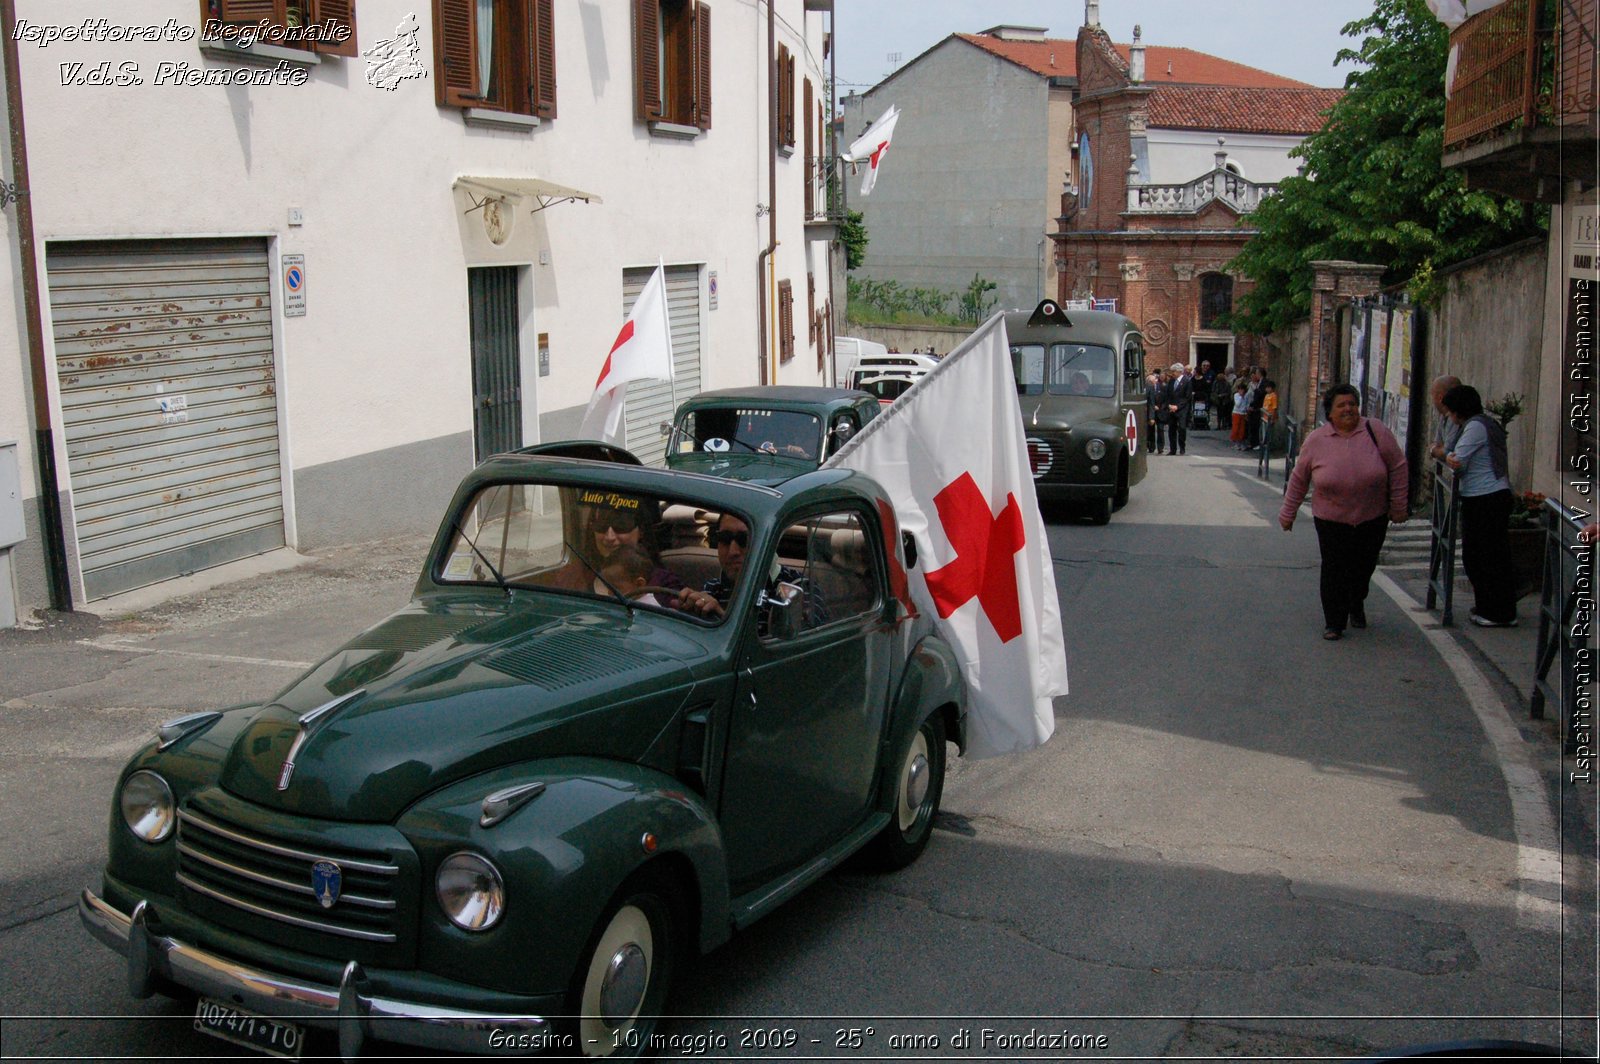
(853,235)
(1371,188)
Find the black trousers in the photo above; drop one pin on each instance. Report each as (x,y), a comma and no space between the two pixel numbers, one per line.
(1486,554)
(1178,431)
(1349,555)
(1161,434)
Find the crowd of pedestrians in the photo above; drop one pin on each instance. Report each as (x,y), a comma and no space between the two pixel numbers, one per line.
(1245,403)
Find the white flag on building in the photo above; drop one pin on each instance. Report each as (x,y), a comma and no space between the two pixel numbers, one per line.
(951,454)
(641,351)
(1454,12)
(872,146)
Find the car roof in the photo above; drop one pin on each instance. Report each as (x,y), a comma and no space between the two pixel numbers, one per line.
(754,499)
(1088,326)
(780,396)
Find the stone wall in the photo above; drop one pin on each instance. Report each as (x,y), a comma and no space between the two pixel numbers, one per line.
(1487,329)
(941,338)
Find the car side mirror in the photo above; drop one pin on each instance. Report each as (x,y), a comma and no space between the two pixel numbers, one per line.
(666,428)
(842,432)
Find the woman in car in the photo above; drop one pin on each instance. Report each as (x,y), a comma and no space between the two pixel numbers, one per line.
(618,522)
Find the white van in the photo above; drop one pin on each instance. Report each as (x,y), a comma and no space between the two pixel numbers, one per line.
(857,360)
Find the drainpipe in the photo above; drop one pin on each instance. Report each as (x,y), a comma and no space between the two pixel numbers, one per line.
(831,162)
(769,338)
(44,444)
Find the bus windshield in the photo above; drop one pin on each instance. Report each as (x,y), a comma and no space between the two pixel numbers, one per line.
(1064,369)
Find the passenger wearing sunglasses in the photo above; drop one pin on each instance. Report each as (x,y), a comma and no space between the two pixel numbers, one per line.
(732,539)
(610,528)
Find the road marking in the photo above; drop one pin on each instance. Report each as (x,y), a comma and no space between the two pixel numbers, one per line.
(1539,904)
(123,648)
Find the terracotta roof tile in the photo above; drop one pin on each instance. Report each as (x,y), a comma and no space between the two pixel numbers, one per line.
(1058,57)
(1241,110)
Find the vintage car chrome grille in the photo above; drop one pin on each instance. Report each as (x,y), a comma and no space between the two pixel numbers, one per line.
(272,879)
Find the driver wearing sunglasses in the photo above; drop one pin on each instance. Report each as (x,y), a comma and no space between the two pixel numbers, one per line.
(731,537)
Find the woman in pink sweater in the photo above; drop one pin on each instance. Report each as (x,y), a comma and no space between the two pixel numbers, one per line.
(1360,476)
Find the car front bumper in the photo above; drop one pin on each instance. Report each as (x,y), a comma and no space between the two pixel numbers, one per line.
(349,1008)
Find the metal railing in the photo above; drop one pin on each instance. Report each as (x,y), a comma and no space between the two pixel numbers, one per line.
(1523,63)
(1564,635)
(1444,519)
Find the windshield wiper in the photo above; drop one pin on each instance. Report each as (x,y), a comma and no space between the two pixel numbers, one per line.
(598,575)
(482,558)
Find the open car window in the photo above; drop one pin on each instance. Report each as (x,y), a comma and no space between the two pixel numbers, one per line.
(573,539)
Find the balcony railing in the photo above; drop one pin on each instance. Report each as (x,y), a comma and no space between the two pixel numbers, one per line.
(1219,186)
(1522,65)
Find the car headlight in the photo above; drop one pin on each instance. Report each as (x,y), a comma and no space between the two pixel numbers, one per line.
(147,807)
(1095,449)
(470,892)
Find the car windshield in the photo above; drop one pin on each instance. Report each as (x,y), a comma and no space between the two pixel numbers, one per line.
(740,430)
(578,539)
(1064,369)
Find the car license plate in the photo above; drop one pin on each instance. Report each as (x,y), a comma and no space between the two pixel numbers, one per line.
(278,1037)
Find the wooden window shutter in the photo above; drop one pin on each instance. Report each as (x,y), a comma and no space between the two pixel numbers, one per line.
(455,54)
(543,82)
(646,60)
(785,321)
(823,317)
(811,308)
(337,13)
(811,162)
(274,11)
(785,76)
(702,66)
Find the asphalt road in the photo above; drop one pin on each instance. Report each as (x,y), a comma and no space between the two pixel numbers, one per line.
(1242,840)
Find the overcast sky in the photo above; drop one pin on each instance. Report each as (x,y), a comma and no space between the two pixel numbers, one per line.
(1295,38)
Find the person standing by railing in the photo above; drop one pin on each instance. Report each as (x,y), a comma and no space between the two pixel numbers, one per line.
(1479,455)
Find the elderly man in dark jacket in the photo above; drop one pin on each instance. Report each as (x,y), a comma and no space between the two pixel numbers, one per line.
(1178,398)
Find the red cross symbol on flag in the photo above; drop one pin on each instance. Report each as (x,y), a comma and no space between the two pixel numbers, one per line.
(985,566)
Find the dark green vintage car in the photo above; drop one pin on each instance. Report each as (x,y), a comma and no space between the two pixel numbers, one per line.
(1080,382)
(766,434)
(508,810)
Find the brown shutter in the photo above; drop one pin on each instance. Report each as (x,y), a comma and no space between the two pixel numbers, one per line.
(785,321)
(811,163)
(544,59)
(455,54)
(811,308)
(702,66)
(273,11)
(336,13)
(646,61)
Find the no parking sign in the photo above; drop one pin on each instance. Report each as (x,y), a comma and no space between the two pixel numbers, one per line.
(294,286)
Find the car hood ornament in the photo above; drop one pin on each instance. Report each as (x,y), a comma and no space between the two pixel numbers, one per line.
(309,723)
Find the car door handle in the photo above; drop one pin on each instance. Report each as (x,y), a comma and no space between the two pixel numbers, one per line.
(749,678)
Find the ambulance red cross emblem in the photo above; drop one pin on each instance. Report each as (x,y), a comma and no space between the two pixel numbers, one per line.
(1130,429)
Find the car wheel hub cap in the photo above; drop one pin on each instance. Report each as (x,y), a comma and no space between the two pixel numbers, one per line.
(622,990)
(917,781)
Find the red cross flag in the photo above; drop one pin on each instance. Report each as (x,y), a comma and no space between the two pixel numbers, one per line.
(872,146)
(641,351)
(983,566)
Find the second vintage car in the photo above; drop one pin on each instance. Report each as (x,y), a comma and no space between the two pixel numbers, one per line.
(764,434)
(519,802)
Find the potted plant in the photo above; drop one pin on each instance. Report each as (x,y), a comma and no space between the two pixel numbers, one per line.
(1527,535)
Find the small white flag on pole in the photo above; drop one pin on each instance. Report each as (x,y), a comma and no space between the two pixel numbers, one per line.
(983,564)
(872,146)
(641,351)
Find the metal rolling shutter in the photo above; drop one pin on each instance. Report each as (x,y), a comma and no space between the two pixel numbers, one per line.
(169,403)
(649,403)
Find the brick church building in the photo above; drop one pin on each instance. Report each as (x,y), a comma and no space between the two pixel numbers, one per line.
(1168,164)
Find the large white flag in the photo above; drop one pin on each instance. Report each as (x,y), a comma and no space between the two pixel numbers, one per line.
(641,351)
(951,454)
(871,147)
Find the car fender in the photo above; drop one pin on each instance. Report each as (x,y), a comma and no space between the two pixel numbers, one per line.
(562,856)
(931,681)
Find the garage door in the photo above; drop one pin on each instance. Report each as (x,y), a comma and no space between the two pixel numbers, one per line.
(164,356)
(650,403)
